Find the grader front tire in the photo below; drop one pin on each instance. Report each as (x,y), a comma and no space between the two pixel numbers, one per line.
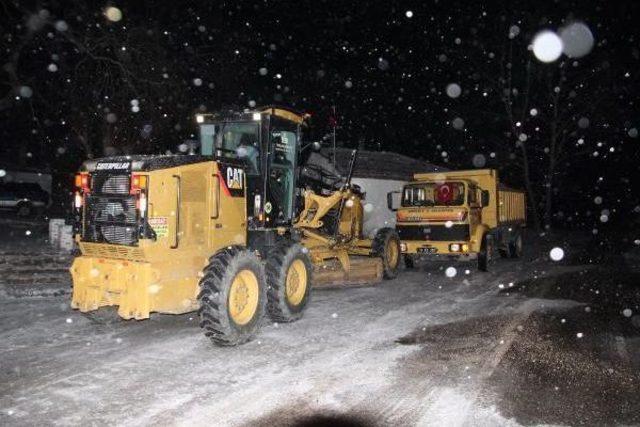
(289,274)
(232,297)
(386,245)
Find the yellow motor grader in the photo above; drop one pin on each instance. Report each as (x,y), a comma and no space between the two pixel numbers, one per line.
(232,232)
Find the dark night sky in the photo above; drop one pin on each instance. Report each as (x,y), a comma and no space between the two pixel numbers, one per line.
(135,84)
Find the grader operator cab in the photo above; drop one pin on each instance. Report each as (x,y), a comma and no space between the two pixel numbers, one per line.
(231,233)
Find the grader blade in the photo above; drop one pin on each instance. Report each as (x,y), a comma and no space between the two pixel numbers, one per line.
(362,271)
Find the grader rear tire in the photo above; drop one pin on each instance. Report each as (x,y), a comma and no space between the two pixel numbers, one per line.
(232,296)
(386,245)
(289,274)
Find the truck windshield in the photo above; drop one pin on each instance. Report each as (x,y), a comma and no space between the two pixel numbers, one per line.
(433,194)
(234,141)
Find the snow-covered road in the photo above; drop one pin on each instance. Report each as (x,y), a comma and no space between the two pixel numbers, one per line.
(423,349)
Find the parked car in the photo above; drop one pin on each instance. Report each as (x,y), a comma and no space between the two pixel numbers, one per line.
(23,198)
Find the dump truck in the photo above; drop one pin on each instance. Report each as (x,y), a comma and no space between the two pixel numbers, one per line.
(464,214)
(233,232)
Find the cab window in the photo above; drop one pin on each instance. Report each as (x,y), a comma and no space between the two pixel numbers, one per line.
(473,195)
(234,141)
(282,172)
(434,194)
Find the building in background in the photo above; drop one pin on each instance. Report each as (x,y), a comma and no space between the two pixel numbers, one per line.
(377,173)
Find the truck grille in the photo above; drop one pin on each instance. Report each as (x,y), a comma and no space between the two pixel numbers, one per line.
(436,233)
(110,212)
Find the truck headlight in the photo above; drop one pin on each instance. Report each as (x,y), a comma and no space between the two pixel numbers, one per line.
(454,247)
(199,118)
(403,247)
(465,247)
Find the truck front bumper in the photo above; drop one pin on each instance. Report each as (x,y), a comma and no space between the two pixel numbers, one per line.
(427,247)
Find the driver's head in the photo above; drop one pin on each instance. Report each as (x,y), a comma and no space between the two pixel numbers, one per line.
(247,139)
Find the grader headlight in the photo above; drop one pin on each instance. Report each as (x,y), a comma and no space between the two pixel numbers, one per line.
(83,186)
(83,182)
(139,184)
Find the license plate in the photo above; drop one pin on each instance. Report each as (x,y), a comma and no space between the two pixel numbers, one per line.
(427,250)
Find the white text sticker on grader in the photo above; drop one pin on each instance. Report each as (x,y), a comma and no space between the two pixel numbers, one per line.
(160,225)
(113,166)
(233,180)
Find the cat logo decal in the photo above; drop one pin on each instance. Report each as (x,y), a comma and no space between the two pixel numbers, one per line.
(235,178)
(232,180)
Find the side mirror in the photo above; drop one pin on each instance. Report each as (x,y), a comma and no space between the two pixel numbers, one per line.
(314,146)
(393,202)
(485,198)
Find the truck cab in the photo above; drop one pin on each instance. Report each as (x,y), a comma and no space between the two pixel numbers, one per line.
(439,217)
(461,214)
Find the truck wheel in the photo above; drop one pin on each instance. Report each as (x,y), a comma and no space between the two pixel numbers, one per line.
(516,246)
(386,245)
(232,296)
(486,253)
(289,275)
(409,261)
(504,253)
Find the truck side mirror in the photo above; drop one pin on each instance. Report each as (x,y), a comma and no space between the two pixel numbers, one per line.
(485,198)
(391,201)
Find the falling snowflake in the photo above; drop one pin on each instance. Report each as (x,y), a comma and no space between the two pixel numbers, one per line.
(61,26)
(514,30)
(556,254)
(113,14)
(453,90)
(25,91)
(457,123)
(479,160)
(451,272)
(583,123)
(547,46)
(577,40)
